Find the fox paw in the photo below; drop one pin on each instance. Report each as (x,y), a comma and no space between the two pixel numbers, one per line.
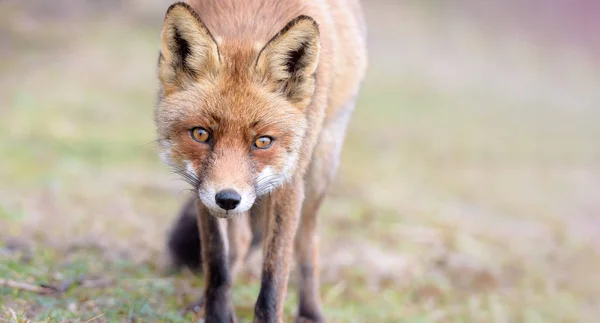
(306,319)
(196,307)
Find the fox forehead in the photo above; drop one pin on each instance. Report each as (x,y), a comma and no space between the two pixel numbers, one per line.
(234,96)
(220,106)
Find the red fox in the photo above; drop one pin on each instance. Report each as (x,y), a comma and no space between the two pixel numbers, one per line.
(255,97)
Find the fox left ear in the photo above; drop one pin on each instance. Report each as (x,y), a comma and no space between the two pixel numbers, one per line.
(188,50)
(289,59)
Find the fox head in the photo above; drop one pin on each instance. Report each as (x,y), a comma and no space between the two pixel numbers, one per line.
(231,113)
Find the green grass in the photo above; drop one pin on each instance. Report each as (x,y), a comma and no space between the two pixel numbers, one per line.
(469,198)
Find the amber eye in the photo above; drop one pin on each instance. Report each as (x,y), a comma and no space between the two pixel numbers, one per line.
(200,134)
(263,142)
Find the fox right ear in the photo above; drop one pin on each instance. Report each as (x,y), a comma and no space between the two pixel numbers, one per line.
(290,59)
(188,50)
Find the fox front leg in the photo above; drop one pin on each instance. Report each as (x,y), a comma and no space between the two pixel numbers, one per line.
(281,223)
(218,306)
(239,234)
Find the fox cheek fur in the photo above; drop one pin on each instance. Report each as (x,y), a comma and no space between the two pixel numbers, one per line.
(249,173)
(228,161)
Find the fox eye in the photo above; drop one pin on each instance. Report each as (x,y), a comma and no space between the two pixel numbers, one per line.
(200,134)
(263,142)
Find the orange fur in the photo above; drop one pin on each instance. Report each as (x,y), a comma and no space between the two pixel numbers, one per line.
(289,70)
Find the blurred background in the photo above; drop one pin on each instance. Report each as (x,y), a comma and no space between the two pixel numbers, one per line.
(469,189)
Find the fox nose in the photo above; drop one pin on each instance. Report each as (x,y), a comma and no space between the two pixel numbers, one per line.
(228,199)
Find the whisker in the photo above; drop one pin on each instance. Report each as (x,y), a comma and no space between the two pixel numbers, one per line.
(191,191)
(267,184)
(267,179)
(188,177)
(150,142)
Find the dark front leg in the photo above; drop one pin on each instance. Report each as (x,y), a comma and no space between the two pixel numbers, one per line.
(217,294)
(239,235)
(307,257)
(281,223)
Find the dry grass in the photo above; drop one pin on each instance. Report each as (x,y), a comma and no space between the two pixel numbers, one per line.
(469,188)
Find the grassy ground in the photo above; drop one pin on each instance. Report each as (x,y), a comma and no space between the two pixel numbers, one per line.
(469,188)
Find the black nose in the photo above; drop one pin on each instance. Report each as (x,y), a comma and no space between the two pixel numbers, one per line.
(228,199)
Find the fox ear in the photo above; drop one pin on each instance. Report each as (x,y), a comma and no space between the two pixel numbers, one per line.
(289,60)
(188,50)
